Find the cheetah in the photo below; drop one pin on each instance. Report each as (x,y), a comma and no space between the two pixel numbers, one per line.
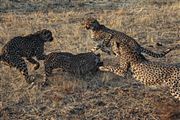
(79,64)
(107,39)
(145,71)
(20,47)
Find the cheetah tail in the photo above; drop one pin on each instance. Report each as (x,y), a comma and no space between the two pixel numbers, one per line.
(172,48)
(153,54)
(175,47)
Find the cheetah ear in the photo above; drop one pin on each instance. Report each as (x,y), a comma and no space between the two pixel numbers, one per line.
(93,20)
(40,31)
(44,31)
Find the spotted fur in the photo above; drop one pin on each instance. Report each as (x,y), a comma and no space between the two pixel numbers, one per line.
(79,64)
(27,47)
(147,72)
(107,39)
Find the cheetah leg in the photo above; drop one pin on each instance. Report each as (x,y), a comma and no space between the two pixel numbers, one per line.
(106,50)
(104,45)
(175,89)
(33,61)
(19,63)
(116,70)
(115,48)
(48,72)
(1,57)
(102,48)
(24,71)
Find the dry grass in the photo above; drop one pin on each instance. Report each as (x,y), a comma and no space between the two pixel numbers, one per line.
(100,96)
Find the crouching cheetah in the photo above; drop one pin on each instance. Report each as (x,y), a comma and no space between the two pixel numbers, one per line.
(27,47)
(79,64)
(147,72)
(107,38)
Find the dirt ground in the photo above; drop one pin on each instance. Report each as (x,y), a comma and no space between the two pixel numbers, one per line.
(103,96)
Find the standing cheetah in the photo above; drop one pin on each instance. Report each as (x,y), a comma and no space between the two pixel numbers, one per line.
(147,72)
(27,47)
(107,39)
(79,64)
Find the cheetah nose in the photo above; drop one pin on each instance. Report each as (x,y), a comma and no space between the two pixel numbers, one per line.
(51,39)
(87,27)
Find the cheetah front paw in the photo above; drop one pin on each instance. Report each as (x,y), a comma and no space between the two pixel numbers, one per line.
(105,69)
(93,50)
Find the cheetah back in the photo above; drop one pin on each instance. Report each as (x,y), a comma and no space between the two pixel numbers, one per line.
(77,64)
(147,72)
(28,46)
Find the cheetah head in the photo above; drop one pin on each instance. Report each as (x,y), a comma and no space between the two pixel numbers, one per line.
(46,35)
(92,24)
